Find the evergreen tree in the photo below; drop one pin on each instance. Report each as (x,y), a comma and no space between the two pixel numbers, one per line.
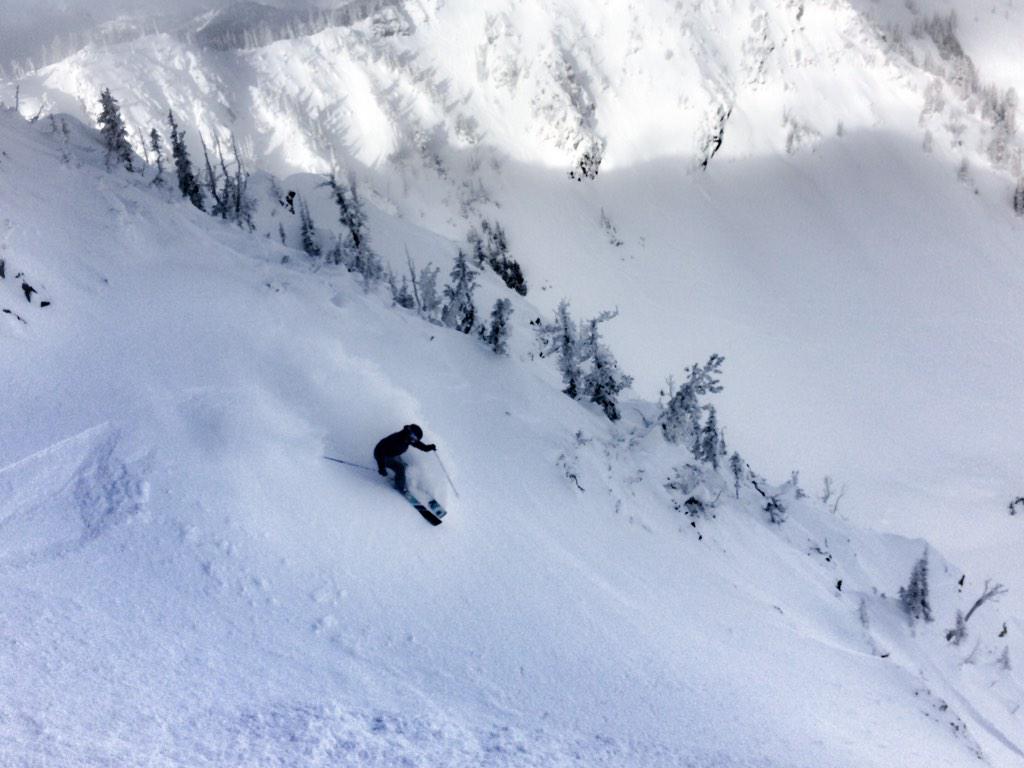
(228,188)
(604,380)
(350,210)
(491,249)
(914,596)
(681,419)
(710,443)
(775,510)
(430,297)
(358,256)
(512,275)
(560,337)
(1018,198)
(400,293)
(496,337)
(157,145)
(497,242)
(211,180)
(242,204)
(459,311)
(1001,111)
(187,183)
(568,351)
(112,128)
(736,467)
(588,367)
(307,230)
(476,248)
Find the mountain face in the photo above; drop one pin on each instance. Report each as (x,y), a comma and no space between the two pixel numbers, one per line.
(189,582)
(553,83)
(820,191)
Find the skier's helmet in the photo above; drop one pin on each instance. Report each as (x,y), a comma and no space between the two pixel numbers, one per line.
(414,430)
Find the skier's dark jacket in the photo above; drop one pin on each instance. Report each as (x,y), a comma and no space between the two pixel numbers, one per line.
(398,443)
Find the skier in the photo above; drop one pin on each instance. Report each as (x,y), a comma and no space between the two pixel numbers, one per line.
(388,452)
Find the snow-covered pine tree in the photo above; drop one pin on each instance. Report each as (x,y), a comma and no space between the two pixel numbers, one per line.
(496,336)
(188,185)
(709,443)
(350,209)
(511,273)
(491,249)
(459,311)
(229,192)
(604,380)
(681,418)
(400,293)
(689,492)
(307,231)
(430,296)
(568,347)
(560,337)
(914,596)
(241,204)
(775,510)
(112,128)
(476,248)
(359,257)
(228,188)
(497,242)
(1001,111)
(417,304)
(211,181)
(736,467)
(156,144)
(1018,197)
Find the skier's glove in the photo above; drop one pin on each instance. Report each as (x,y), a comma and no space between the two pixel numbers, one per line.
(431,447)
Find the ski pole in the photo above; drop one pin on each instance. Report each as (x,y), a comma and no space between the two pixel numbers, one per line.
(445,470)
(350,464)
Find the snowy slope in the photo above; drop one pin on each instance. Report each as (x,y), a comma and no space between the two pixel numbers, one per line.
(188,582)
(860,291)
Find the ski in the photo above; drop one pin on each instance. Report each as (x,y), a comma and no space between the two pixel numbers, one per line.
(432,511)
(437,509)
(427,512)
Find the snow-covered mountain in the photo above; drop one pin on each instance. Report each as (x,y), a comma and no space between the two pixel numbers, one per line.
(189,583)
(820,191)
